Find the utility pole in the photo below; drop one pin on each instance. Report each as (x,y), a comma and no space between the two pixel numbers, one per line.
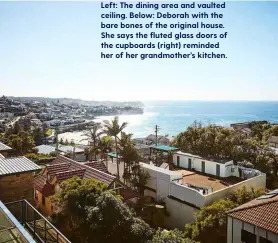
(57,141)
(156,131)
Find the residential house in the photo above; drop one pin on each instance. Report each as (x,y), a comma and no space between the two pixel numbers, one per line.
(17,178)
(250,124)
(273,141)
(196,182)
(45,149)
(4,149)
(77,152)
(61,169)
(247,131)
(255,221)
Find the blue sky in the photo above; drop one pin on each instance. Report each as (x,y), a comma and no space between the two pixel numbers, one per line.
(53,49)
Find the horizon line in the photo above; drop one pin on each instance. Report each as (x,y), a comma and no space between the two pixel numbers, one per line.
(147,100)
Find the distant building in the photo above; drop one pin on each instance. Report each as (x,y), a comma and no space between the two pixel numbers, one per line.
(45,149)
(273,141)
(255,221)
(4,149)
(77,152)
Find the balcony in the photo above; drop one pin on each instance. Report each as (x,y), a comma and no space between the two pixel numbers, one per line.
(21,222)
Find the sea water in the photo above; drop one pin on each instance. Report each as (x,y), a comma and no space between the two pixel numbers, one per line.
(173,117)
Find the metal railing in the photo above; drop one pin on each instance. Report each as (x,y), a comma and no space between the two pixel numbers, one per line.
(35,223)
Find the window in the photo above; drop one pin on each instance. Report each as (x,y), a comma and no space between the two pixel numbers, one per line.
(43,200)
(264,240)
(203,167)
(247,237)
(232,169)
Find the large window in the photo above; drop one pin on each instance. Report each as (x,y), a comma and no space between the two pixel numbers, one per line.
(247,237)
(264,240)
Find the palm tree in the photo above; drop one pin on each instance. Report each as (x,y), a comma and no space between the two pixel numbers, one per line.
(105,145)
(113,129)
(125,141)
(93,134)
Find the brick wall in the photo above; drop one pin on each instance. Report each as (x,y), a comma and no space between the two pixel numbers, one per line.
(16,187)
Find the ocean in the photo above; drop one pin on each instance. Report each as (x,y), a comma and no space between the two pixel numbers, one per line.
(173,117)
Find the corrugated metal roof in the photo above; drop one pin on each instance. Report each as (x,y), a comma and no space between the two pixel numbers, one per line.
(4,147)
(15,165)
(45,149)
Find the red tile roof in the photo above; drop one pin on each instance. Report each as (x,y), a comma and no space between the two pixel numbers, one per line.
(89,171)
(43,186)
(99,165)
(61,176)
(56,168)
(64,168)
(260,212)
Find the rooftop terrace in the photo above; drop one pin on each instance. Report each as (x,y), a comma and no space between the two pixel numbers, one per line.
(202,180)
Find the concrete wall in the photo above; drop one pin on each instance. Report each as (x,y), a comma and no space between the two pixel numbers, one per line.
(17,187)
(255,182)
(196,163)
(186,194)
(234,231)
(179,214)
(160,180)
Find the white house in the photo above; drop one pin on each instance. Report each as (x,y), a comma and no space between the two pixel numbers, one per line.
(186,191)
(220,167)
(255,221)
(273,141)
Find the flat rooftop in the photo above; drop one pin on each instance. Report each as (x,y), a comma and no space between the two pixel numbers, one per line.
(202,180)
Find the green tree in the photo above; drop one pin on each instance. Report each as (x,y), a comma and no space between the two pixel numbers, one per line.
(113,129)
(171,236)
(211,221)
(93,134)
(86,211)
(61,141)
(112,221)
(38,136)
(105,145)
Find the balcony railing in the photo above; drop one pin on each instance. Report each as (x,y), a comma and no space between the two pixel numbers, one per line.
(35,223)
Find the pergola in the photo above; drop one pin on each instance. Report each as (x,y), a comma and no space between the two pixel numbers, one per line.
(163,149)
(113,155)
